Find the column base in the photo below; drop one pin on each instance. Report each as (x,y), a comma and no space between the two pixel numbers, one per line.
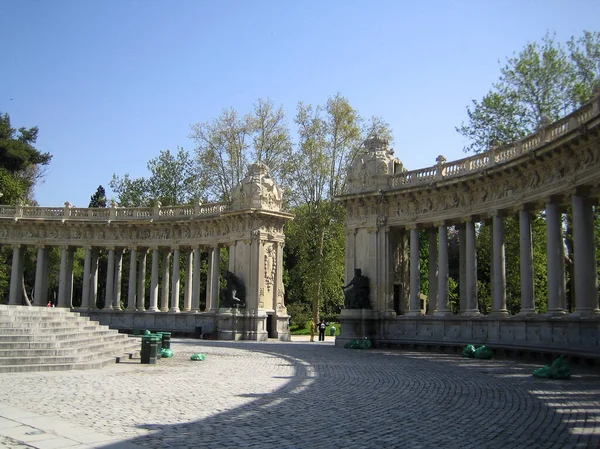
(499,313)
(415,313)
(174,310)
(586,313)
(471,312)
(527,312)
(443,313)
(556,312)
(152,309)
(131,309)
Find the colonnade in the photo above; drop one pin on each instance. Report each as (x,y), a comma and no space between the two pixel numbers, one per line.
(585,273)
(168,280)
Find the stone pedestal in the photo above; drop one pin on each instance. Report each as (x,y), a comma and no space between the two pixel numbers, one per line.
(357,324)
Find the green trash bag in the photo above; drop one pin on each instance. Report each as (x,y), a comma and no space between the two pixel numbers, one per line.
(543,372)
(559,369)
(197,356)
(366,344)
(469,351)
(483,352)
(166,353)
(147,332)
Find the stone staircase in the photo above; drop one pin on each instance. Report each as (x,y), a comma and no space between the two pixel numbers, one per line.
(53,339)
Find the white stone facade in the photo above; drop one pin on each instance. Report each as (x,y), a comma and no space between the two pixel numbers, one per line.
(555,168)
(251,228)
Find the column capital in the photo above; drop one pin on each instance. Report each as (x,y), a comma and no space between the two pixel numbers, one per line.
(411,227)
(437,224)
(497,213)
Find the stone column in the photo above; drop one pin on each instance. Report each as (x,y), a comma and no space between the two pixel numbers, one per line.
(498,266)
(118,279)
(16,277)
(212,288)
(69,290)
(164,299)
(141,286)
(94,280)
(175,280)
(557,299)
(586,278)
(433,271)
(85,291)
(41,294)
(471,269)
(63,277)
(154,282)
(189,274)
(526,259)
(443,276)
(415,281)
(462,267)
(131,291)
(196,282)
(110,280)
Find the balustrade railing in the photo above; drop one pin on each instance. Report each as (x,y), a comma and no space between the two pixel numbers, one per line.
(498,155)
(112,213)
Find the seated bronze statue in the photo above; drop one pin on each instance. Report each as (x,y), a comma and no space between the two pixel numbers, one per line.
(234,294)
(356,293)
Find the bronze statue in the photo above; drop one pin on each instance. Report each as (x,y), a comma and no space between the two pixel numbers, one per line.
(234,294)
(357,297)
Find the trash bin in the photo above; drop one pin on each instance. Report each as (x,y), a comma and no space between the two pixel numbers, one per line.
(332,330)
(166,340)
(158,335)
(149,352)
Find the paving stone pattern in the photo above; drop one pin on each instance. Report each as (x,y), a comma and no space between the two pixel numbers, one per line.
(314,395)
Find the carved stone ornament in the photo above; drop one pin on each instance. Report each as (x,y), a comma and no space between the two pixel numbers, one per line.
(270,266)
(257,190)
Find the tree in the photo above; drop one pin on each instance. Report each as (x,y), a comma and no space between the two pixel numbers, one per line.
(172,181)
(20,161)
(329,139)
(98,199)
(226,145)
(544,80)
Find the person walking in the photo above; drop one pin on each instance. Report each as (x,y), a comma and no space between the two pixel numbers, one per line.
(322,327)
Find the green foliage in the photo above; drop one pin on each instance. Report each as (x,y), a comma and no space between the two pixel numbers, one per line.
(20,161)
(225,146)
(173,180)
(544,80)
(98,199)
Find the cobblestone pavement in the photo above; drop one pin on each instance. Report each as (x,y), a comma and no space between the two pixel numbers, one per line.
(314,395)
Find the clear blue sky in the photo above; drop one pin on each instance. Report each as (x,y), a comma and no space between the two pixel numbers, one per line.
(110,83)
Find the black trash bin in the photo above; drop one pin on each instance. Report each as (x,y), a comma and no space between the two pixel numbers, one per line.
(166,340)
(158,335)
(149,352)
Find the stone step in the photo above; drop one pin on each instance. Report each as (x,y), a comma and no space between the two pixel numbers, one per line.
(42,323)
(77,341)
(74,357)
(62,351)
(66,328)
(50,339)
(58,338)
(57,367)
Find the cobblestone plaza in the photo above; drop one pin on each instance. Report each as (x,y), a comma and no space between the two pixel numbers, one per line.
(301,394)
